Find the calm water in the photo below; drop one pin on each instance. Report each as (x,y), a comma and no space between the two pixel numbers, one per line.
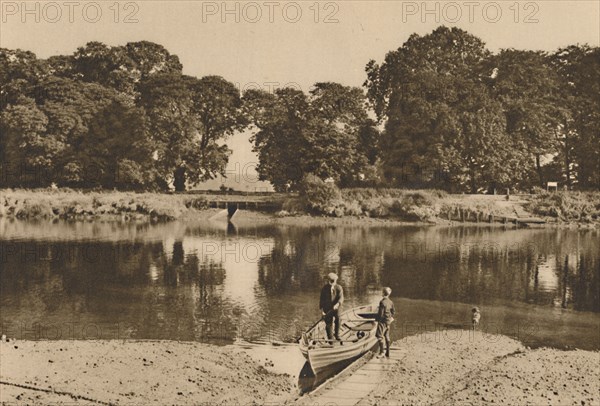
(214,283)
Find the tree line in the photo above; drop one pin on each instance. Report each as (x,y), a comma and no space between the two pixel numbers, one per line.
(112,117)
(441,111)
(472,119)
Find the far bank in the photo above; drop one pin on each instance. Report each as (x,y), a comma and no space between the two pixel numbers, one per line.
(347,206)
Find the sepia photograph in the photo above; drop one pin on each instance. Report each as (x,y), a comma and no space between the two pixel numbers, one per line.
(300,203)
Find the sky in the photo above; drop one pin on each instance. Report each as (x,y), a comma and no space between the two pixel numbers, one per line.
(270,44)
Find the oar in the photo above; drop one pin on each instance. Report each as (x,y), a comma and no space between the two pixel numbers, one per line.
(321,319)
(318,321)
(244,343)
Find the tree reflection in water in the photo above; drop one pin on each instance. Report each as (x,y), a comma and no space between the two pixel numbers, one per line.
(196,282)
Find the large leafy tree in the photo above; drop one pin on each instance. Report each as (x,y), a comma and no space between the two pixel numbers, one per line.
(587,120)
(77,134)
(217,114)
(120,67)
(20,72)
(528,88)
(118,146)
(343,139)
(106,135)
(280,141)
(470,143)
(119,116)
(190,118)
(579,129)
(327,133)
(442,55)
(26,150)
(441,128)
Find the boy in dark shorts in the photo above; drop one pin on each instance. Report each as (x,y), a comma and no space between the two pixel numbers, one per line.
(385,316)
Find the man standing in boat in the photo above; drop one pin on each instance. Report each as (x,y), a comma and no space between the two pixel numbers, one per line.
(385,316)
(332,297)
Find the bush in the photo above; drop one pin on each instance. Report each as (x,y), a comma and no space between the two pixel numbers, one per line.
(567,206)
(131,175)
(420,205)
(198,203)
(352,208)
(319,196)
(66,203)
(35,209)
(294,205)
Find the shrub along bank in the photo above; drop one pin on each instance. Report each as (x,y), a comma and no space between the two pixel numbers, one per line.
(322,198)
(67,203)
(581,207)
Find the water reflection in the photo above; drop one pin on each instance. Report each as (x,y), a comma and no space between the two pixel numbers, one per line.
(217,283)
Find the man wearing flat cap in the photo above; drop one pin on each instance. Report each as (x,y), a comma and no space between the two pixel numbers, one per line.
(332,297)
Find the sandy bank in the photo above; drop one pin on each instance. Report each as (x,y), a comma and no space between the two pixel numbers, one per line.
(139,373)
(454,368)
(461,368)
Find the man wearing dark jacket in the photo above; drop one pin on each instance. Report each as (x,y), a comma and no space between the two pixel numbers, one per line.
(332,297)
(385,316)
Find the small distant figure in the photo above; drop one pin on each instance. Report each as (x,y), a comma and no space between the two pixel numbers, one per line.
(385,317)
(475,316)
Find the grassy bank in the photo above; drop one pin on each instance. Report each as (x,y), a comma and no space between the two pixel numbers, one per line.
(65,203)
(580,207)
(429,206)
(436,206)
(355,205)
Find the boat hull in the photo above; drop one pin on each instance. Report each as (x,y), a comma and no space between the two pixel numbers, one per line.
(323,358)
(358,335)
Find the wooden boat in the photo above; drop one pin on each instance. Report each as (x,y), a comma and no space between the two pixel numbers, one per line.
(357,335)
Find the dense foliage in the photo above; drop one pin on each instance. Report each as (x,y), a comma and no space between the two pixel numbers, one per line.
(441,111)
(460,118)
(112,117)
(326,133)
(583,207)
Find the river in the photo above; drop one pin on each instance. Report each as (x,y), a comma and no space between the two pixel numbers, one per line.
(217,283)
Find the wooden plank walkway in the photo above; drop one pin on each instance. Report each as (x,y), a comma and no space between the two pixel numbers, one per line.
(524,218)
(349,389)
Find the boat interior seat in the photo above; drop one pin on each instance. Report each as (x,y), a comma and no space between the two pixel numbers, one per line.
(365,326)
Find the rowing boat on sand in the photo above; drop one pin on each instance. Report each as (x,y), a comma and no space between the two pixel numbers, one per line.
(357,336)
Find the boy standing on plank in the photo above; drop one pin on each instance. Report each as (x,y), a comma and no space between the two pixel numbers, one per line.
(385,316)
